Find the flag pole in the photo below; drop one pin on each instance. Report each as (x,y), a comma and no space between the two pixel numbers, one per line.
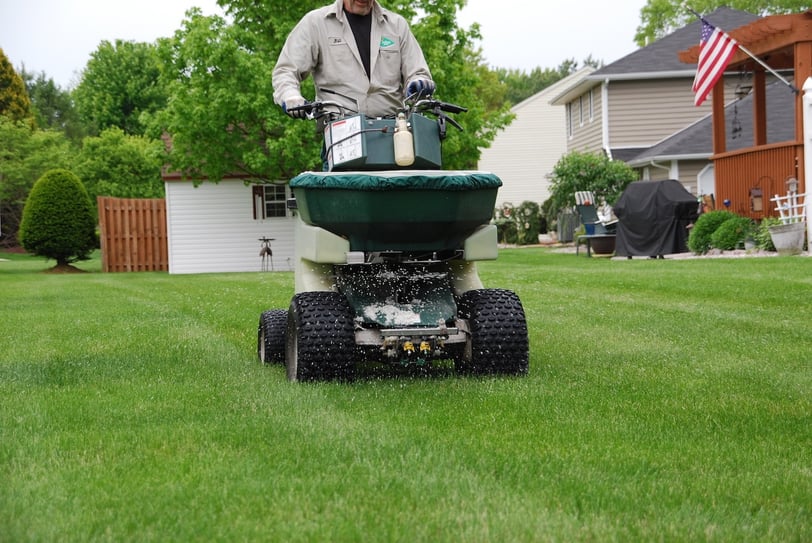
(776,74)
(751,55)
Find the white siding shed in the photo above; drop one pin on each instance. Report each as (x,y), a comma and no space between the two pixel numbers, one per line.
(211,228)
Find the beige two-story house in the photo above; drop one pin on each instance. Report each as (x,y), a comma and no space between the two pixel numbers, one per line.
(643,103)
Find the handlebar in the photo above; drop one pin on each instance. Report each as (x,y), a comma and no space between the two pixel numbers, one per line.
(436,106)
(323,108)
(314,109)
(317,109)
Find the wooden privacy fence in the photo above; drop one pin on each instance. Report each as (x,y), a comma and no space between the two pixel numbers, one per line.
(133,234)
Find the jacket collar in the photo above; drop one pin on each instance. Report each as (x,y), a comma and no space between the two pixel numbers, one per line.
(378,12)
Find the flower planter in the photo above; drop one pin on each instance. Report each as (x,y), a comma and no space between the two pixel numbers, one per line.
(788,238)
(603,245)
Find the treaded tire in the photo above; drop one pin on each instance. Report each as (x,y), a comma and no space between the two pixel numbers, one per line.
(320,342)
(498,342)
(271,336)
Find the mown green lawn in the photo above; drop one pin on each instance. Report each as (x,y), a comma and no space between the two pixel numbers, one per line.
(667,401)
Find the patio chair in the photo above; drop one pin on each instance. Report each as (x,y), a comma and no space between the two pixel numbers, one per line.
(596,220)
(598,226)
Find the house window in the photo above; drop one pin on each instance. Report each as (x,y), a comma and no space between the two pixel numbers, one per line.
(581,110)
(569,119)
(591,105)
(269,201)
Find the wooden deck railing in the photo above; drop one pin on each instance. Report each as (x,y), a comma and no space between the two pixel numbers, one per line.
(765,168)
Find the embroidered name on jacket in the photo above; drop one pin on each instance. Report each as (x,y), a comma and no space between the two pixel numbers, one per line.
(335,40)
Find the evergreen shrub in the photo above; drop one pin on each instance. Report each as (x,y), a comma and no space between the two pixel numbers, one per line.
(58,220)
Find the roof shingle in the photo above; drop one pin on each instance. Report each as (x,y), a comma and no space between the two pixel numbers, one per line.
(661,56)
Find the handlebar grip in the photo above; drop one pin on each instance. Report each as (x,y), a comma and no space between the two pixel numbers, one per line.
(307,108)
(453,108)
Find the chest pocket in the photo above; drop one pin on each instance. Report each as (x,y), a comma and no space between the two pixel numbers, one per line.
(340,53)
(388,66)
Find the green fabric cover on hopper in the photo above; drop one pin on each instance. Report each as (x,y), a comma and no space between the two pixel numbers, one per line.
(401,179)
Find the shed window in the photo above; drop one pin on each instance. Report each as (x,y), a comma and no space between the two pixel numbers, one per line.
(269,201)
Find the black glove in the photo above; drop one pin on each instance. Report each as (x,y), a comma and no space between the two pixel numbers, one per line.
(294,104)
(419,88)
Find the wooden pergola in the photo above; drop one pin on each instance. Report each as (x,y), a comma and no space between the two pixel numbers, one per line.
(784,43)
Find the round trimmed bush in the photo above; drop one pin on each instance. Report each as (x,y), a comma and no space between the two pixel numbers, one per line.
(699,241)
(58,220)
(731,233)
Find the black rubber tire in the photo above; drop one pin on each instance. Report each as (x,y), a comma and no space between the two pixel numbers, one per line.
(498,344)
(320,342)
(271,336)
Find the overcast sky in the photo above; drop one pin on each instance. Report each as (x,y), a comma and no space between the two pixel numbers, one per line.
(58,36)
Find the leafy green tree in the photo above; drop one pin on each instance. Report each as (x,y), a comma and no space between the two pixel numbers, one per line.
(119,85)
(25,154)
(121,165)
(661,17)
(52,106)
(594,172)
(222,118)
(14,101)
(58,220)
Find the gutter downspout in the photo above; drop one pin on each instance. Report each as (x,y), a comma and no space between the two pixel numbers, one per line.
(605,117)
(660,166)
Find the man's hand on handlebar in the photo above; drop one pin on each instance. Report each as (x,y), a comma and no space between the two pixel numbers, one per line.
(296,107)
(420,88)
(315,110)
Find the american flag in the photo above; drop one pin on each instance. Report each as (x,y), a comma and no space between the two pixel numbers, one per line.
(716,49)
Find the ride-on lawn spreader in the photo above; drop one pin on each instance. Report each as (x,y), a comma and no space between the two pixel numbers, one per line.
(386,252)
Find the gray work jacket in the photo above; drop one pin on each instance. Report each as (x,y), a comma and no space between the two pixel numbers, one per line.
(322,44)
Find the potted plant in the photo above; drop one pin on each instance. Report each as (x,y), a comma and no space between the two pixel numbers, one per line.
(788,238)
(603,245)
